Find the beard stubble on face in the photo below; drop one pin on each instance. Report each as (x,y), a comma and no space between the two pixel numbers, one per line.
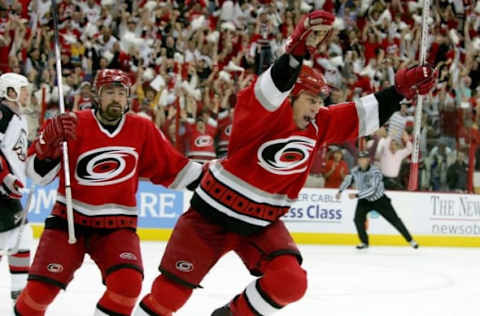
(113,112)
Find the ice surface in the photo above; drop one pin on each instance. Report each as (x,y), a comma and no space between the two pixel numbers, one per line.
(393,281)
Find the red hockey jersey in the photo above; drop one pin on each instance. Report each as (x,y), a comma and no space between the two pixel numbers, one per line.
(105,169)
(85,103)
(224,132)
(269,158)
(201,146)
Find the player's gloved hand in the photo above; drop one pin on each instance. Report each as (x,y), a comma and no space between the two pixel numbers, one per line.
(58,129)
(415,80)
(9,184)
(312,29)
(61,127)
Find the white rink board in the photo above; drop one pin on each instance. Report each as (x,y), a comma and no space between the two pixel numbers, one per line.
(432,214)
(437,214)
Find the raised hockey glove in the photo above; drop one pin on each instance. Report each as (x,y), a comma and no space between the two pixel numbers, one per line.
(61,127)
(10,185)
(415,80)
(58,129)
(312,29)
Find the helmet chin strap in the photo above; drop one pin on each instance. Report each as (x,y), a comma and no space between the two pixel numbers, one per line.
(13,99)
(17,106)
(17,95)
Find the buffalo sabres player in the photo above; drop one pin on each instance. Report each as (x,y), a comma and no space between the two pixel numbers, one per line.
(14,94)
(279,123)
(109,151)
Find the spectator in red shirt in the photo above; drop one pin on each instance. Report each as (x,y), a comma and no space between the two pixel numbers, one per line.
(370,42)
(219,38)
(65,9)
(335,170)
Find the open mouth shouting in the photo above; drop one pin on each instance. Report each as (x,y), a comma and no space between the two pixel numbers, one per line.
(307,119)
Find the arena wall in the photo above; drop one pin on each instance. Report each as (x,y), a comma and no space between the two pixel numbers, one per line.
(435,219)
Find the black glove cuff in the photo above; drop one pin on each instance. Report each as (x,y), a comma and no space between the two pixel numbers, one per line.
(388,103)
(285,76)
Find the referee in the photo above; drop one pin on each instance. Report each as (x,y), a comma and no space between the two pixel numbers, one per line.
(369,181)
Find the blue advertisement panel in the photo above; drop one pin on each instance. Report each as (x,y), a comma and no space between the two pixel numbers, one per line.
(157,207)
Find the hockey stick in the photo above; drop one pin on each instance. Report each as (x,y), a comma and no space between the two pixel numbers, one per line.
(66,164)
(14,250)
(413,180)
(44,108)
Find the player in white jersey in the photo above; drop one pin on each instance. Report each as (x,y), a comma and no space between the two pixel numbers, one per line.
(14,236)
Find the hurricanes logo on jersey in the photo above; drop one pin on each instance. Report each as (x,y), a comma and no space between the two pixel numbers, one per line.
(106,165)
(20,146)
(286,155)
(203,141)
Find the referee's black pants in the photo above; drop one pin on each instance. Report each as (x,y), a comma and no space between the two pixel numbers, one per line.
(384,207)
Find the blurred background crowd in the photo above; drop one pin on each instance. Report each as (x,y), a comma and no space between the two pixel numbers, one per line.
(188,59)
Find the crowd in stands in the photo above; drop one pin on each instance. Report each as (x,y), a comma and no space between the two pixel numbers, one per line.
(189,59)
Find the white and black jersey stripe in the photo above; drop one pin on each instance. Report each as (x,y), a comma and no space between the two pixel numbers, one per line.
(13,141)
(13,148)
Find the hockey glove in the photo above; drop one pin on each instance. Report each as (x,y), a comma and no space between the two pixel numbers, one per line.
(415,80)
(10,185)
(311,30)
(58,129)
(61,127)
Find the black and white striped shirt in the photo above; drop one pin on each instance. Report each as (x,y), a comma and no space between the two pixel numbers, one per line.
(396,125)
(369,182)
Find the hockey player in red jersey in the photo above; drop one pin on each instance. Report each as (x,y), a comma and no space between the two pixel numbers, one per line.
(109,151)
(277,126)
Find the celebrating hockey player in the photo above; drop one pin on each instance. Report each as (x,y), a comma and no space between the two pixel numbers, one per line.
(371,196)
(15,240)
(277,126)
(109,151)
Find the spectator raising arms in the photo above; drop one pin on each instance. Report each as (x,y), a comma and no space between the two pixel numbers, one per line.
(391,156)
(201,130)
(221,46)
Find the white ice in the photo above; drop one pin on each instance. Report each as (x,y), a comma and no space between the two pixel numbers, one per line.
(393,281)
